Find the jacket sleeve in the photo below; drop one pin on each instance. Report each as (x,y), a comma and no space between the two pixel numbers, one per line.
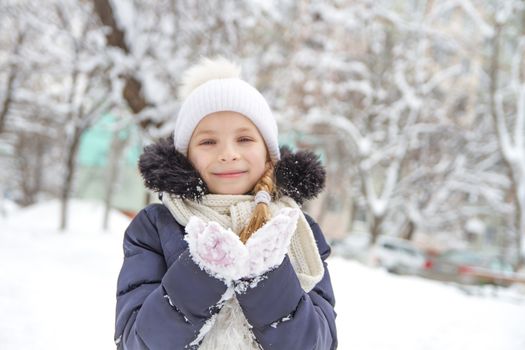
(160,306)
(278,307)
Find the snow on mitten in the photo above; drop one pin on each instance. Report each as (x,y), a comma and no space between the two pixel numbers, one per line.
(269,244)
(216,250)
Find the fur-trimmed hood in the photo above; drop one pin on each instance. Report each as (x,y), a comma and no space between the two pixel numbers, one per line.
(298,175)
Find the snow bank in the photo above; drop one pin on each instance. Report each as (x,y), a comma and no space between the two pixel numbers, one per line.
(377,310)
(57,289)
(85,217)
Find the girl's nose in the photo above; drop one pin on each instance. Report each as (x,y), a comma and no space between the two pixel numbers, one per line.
(228,153)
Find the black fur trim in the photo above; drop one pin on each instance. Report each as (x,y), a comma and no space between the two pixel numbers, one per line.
(298,175)
(163,168)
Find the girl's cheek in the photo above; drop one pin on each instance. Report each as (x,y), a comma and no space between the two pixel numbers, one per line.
(197,164)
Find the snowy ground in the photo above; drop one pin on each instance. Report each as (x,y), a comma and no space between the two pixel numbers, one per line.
(57,291)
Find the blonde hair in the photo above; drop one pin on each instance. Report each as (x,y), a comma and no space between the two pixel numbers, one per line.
(261,214)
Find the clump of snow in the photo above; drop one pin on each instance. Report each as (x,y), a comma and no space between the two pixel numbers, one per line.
(219,251)
(475,226)
(167,297)
(7,207)
(205,329)
(284,319)
(267,247)
(216,250)
(242,286)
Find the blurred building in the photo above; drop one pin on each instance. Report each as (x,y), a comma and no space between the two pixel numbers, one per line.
(105,148)
(332,209)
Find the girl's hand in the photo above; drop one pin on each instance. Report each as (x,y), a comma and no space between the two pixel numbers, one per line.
(269,244)
(216,249)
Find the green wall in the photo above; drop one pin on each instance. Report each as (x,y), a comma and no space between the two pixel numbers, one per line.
(93,158)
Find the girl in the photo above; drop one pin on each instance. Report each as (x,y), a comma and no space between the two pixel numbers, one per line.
(228,260)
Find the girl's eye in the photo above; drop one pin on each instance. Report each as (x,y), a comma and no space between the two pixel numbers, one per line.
(245,139)
(207,142)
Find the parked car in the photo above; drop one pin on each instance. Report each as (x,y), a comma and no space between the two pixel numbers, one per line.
(353,246)
(469,267)
(398,255)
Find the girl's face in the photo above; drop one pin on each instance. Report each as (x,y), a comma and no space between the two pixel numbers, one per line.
(229,153)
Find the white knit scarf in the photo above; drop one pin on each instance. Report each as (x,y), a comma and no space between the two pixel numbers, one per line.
(234,211)
(229,329)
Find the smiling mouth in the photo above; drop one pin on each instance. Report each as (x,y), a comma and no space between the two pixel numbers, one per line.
(230,174)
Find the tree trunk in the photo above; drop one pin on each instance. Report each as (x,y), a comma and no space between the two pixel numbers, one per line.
(353,212)
(409,230)
(40,150)
(8,99)
(69,176)
(132,92)
(29,152)
(117,146)
(519,218)
(513,172)
(375,225)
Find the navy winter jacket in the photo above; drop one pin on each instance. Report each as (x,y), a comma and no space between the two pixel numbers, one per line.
(164,298)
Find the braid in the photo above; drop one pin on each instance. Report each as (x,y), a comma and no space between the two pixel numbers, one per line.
(261,213)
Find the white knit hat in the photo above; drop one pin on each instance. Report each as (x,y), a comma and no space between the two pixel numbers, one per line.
(215,86)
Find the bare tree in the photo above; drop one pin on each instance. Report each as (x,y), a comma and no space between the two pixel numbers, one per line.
(12,70)
(87,95)
(507,108)
(30,151)
(116,37)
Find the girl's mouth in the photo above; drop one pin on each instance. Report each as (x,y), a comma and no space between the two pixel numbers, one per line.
(230,174)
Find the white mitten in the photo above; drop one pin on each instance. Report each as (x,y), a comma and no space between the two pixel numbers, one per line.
(269,244)
(216,250)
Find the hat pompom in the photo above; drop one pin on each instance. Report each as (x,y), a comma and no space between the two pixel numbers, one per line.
(207,69)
